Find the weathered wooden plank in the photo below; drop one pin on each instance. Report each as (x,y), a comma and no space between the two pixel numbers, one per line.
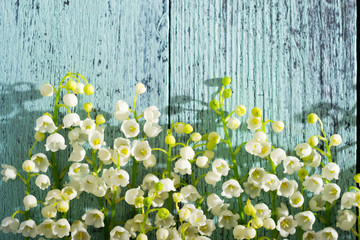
(288,57)
(115,44)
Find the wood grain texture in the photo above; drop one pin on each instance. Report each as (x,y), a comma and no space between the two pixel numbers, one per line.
(114,44)
(288,57)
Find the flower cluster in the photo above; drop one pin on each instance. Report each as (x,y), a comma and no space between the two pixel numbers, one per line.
(167,204)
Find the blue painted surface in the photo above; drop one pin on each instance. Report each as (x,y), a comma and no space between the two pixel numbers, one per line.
(287,57)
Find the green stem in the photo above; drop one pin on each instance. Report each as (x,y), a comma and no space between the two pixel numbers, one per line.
(328,214)
(134,173)
(273,200)
(94,163)
(168,169)
(55,172)
(113,209)
(232,155)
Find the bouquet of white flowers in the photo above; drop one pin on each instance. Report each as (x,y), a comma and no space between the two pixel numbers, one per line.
(167,204)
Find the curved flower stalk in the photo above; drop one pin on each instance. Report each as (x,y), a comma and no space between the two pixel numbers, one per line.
(167,202)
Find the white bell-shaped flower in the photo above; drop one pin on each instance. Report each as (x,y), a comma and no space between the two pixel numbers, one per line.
(296,199)
(182,166)
(152,114)
(41,162)
(152,129)
(96,140)
(187,153)
(119,233)
(292,164)
(141,150)
(314,183)
(331,192)
(233,123)
(212,178)
(317,203)
(202,162)
(8,172)
(140,88)
(150,161)
(70,99)
(345,219)
(348,200)
(45,124)
(94,217)
(331,171)
(28,228)
(46,228)
(252,189)
(303,150)
(231,188)
(62,228)
(49,211)
(87,126)
(262,211)
(278,126)
(54,142)
(190,194)
(269,224)
(30,201)
(121,112)
(287,187)
(305,220)
(220,167)
(327,233)
(46,90)
(256,175)
(71,120)
(228,219)
(42,181)
(286,226)
(254,123)
(130,128)
(78,153)
(270,182)
(133,193)
(9,224)
(277,156)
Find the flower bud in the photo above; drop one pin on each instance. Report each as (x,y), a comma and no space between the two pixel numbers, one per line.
(313,141)
(214,137)
(142,236)
(233,123)
(226,81)
(210,145)
(302,174)
(240,110)
(70,100)
(188,129)
(71,85)
(176,197)
(312,118)
(256,112)
(88,107)
(227,93)
(170,140)
(30,201)
(140,88)
(39,136)
(214,104)
(100,119)
(88,89)
(159,186)
(46,90)
(163,213)
(278,126)
(249,209)
(257,223)
(357,178)
(335,140)
(28,166)
(62,206)
(147,202)
(139,201)
(195,137)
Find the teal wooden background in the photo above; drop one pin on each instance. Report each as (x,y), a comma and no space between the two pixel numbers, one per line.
(288,57)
